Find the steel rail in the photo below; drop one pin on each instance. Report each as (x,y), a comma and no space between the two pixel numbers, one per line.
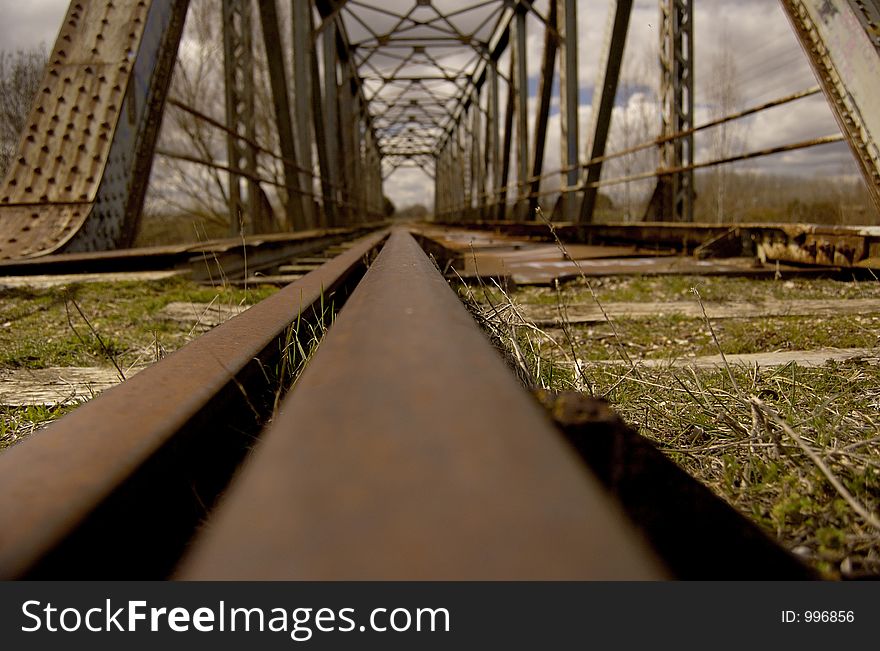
(407,450)
(117,487)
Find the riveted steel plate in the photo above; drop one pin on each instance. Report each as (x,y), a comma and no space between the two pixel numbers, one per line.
(68,134)
(26,231)
(94,120)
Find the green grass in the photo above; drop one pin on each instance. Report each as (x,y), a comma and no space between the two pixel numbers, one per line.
(706,426)
(41,328)
(17,423)
(673,336)
(711,427)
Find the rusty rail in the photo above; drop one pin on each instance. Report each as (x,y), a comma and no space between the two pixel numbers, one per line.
(406,450)
(117,487)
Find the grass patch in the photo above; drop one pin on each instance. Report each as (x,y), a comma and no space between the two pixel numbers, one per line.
(798,476)
(674,337)
(17,423)
(40,327)
(709,429)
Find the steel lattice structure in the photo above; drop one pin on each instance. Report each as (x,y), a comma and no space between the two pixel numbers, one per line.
(373,87)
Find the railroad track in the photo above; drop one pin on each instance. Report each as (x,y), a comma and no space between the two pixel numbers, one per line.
(405,450)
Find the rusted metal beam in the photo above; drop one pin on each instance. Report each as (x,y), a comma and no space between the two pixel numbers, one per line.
(521,103)
(506,145)
(840,39)
(116,488)
(607,91)
(281,102)
(301,17)
(673,198)
(238,68)
(80,176)
(551,42)
(569,101)
(331,117)
(374,469)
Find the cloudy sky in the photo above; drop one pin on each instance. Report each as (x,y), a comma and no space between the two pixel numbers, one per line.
(748,44)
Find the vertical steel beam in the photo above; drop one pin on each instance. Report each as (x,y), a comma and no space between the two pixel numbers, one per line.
(478,190)
(522,112)
(607,88)
(302,53)
(326,215)
(281,102)
(569,102)
(358,141)
(508,141)
(493,149)
(239,73)
(674,196)
(346,137)
(331,116)
(545,90)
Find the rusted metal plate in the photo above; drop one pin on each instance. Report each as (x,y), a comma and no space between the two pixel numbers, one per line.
(26,231)
(807,244)
(115,488)
(87,145)
(387,462)
(67,138)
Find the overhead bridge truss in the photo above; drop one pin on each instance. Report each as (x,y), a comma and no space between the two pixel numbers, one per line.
(371,87)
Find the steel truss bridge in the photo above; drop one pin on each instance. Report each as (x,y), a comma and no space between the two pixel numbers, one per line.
(375,86)
(406,450)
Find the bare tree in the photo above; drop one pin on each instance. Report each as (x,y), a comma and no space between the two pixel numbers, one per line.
(20,75)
